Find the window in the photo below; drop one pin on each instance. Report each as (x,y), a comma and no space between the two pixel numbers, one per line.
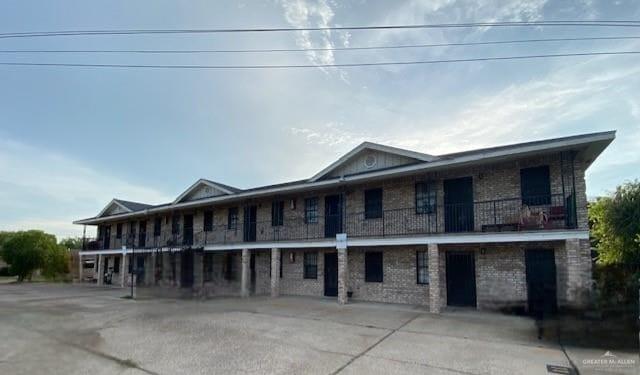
(232,218)
(119,230)
(116,265)
(157,226)
(310,265)
(228,267)
(208,221)
(277,213)
(373,203)
(175,224)
(311,210)
(373,267)
(208,267)
(422,267)
(425,198)
(535,186)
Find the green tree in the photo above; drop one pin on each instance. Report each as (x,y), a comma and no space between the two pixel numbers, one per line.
(615,225)
(55,262)
(25,252)
(71,243)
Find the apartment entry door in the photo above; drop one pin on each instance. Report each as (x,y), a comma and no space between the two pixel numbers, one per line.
(332,215)
(186,268)
(458,204)
(541,282)
(249,230)
(331,274)
(461,278)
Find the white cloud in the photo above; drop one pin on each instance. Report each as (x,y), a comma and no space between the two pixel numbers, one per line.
(309,13)
(41,189)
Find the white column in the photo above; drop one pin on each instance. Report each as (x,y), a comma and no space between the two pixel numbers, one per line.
(435,302)
(79,266)
(124,270)
(244,282)
(100,269)
(275,272)
(343,276)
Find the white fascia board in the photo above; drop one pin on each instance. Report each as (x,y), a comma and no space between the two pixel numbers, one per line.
(422,167)
(533,236)
(271,245)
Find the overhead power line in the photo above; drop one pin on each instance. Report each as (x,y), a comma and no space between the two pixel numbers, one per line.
(593,23)
(301,66)
(267,50)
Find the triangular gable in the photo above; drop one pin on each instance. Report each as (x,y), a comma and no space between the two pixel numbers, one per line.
(203,189)
(113,208)
(370,157)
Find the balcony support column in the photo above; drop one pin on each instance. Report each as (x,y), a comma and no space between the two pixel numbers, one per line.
(80,266)
(100,269)
(435,297)
(244,282)
(275,272)
(343,276)
(124,270)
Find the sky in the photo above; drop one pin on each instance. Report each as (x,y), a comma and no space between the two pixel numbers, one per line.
(71,139)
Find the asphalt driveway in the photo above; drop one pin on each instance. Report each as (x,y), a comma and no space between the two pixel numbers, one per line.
(68,329)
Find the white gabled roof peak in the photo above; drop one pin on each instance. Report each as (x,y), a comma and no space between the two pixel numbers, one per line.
(375,147)
(221,187)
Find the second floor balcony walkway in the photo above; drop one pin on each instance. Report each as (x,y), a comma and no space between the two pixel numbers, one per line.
(515,214)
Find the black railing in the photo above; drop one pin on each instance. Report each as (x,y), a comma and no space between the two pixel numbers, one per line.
(546,212)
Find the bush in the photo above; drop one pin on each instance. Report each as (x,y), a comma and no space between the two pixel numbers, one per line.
(4,271)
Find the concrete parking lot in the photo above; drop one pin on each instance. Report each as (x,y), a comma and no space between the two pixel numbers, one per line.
(71,329)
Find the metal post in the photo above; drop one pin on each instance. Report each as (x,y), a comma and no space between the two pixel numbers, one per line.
(133,262)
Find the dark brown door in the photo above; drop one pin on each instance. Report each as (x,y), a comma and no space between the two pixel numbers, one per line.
(107,236)
(461,278)
(541,282)
(142,234)
(186,268)
(331,274)
(249,228)
(187,234)
(332,215)
(458,205)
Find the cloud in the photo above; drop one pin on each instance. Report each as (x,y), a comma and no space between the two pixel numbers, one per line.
(309,13)
(42,189)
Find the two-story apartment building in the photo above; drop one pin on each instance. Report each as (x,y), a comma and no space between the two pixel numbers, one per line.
(501,227)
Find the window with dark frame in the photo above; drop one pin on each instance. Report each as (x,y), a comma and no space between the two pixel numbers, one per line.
(535,186)
(311,265)
(422,267)
(157,226)
(277,213)
(232,218)
(119,230)
(373,203)
(208,267)
(425,198)
(311,210)
(208,221)
(116,265)
(373,269)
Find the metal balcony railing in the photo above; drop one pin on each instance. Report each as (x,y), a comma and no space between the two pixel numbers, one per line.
(555,211)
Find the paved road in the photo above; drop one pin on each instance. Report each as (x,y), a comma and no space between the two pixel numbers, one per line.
(67,329)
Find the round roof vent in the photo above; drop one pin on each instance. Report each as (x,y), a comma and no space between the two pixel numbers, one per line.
(370,161)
